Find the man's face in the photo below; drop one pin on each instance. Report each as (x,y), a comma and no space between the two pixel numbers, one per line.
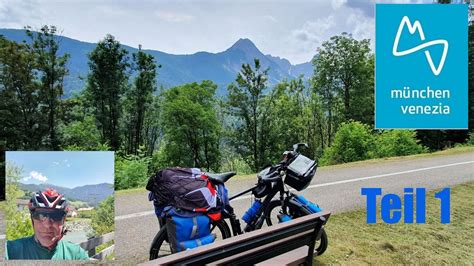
(48,226)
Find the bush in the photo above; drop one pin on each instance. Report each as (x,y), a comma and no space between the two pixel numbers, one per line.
(470,140)
(131,172)
(18,222)
(397,143)
(82,135)
(85,214)
(232,161)
(353,142)
(103,217)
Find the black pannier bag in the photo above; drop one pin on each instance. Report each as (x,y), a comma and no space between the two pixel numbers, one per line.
(300,172)
(184,188)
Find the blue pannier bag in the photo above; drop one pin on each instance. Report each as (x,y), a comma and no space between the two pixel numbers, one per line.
(314,208)
(283,218)
(197,242)
(188,232)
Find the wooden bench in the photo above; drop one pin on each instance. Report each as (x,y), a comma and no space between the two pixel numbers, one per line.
(294,239)
(90,246)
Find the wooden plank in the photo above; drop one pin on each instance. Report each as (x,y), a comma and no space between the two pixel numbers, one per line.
(247,237)
(294,257)
(94,242)
(104,253)
(264,247)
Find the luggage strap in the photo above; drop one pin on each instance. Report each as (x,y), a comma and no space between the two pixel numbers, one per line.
(195,229)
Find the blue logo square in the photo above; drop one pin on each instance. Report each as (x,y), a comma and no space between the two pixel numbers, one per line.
(421,66)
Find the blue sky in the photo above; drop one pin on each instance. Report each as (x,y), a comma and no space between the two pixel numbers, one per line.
(66,169)
(292,29)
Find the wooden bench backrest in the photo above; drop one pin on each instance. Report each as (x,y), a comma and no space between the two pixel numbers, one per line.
(260,244)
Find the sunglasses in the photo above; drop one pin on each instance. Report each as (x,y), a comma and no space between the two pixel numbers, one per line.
(53,216)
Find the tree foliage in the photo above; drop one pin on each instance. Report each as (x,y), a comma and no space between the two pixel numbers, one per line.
(344,80)
(392,143)
(189,125)
(52,70)
(18,222)
(191,129)
(139,98)
(352,142)
(106,84)
(249,105)
(23,123)
(103,217)
(131,171)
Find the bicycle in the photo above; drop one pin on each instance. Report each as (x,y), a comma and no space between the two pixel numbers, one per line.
(271,181)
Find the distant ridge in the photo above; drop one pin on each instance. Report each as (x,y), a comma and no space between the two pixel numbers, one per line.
(221,68)
(92,194)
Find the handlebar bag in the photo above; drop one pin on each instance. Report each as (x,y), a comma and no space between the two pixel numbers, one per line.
(188,232)
(300,172)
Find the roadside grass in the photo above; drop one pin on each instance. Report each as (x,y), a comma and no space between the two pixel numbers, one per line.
(352,241)
(456,150)
(451,151)
(129,191)
(2,205)
(78,219)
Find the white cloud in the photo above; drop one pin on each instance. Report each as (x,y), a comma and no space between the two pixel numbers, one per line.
(270,18)
(363,27)
(336,4)
(174,17)
(35,175)
(56,163)
(17,14)
(312,34)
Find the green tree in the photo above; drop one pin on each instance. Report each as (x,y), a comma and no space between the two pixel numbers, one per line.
(151,126)
(344,79)
(250,106)
(191,128)
(18,222)
(52,70)
(293,118)
(106,84)
(78,128)
(102,218)
(139,98)
(21,119)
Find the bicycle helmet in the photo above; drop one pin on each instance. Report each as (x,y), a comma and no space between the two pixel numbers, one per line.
(49,199)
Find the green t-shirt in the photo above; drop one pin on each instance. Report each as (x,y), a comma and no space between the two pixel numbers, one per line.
(28,249)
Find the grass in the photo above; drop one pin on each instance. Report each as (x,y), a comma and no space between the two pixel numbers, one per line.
(456,150)
(78,219)
(129,191)
(2,205)
(451,151)
(352,241)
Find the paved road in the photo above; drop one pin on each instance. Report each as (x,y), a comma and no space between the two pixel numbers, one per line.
(335,189)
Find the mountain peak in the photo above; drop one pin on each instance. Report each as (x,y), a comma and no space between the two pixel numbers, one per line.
(245,45)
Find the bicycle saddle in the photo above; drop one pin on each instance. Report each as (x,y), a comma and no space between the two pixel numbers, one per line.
(220,177)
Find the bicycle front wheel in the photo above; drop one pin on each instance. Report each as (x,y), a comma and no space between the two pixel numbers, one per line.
(160,248)
(271,217)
